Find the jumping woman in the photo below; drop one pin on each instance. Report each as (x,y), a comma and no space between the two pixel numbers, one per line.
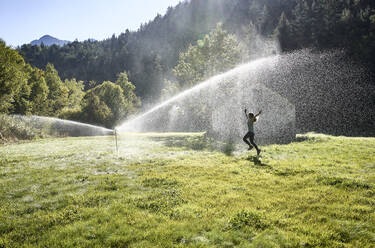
(251,118)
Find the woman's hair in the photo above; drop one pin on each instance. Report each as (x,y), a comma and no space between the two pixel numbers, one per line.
(251,115)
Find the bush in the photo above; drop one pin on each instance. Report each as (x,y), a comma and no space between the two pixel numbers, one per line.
(13,129)
(73,114)
(247,219)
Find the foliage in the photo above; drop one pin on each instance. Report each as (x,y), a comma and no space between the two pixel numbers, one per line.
(58,92)
(27,90)
(74,114)
(12,129)
(112,96)
(94,110)
(216,53)
(329,24)
(39,91)
(75,92)
(13,82)
(109,103)
(131,99)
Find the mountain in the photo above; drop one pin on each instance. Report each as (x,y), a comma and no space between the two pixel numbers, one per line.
(48,40)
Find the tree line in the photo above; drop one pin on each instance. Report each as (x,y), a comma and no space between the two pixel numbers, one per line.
(25,90)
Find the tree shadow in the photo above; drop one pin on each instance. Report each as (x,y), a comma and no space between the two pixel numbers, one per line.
(257,161)
(197,143)
(190,142)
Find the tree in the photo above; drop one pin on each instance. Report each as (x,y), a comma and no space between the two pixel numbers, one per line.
(170,89)
(13,80)
(131,99)
(283,34)
(317,23)
(154,77)
(301,25)
(75,92)
(216,53)
(58,92)
(39,91)
(22,104)
(111,97)
(95,111)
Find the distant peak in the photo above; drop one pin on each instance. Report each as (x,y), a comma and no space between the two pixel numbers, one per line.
(47,36)
(49,40)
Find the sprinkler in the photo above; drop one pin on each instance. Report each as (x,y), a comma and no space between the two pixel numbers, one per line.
(115,132)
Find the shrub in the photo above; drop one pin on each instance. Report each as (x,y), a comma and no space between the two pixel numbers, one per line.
(73,114)
(13,129)
(247,219)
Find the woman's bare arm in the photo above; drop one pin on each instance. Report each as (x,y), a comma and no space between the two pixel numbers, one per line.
(247,117)
(256,116)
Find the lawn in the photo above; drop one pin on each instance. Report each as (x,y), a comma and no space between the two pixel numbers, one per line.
(179,190)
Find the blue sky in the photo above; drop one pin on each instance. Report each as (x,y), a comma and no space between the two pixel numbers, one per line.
(22,21)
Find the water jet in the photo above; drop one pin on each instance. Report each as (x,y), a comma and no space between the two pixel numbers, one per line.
(298,92)
(58,127)
(216,106)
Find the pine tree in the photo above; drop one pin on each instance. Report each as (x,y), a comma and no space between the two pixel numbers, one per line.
(317,24)
(283,34)
(301,24)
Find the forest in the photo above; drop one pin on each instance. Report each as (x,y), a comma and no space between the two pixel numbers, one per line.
(104,82)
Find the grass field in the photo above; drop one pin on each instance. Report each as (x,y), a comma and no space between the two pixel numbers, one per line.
(175,190)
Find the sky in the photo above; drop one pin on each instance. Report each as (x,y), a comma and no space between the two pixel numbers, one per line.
(22,21)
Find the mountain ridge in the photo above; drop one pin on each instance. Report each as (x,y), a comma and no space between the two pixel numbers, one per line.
(49,40)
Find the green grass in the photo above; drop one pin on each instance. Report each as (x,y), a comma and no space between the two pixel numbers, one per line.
(178,190)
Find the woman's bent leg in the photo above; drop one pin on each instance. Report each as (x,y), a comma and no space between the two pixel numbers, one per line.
(251,137)
(247,135)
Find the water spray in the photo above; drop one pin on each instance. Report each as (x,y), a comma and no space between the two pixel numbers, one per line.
(59,127)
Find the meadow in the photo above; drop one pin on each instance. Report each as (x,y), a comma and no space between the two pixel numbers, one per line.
(181,190)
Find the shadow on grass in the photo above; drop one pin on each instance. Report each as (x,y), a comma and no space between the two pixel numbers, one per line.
(303,138)
(257,161)
(197,143)
(191,142)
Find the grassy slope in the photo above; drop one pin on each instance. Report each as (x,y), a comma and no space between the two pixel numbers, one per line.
(76,192)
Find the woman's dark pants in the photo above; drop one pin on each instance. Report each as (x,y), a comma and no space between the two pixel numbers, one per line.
(250,135)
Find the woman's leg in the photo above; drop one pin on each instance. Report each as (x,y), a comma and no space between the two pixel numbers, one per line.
(247,135)
(251,137)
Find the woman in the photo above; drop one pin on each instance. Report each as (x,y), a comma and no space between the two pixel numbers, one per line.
(251,118)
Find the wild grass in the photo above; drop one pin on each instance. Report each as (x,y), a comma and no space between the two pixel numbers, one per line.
(177,190)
